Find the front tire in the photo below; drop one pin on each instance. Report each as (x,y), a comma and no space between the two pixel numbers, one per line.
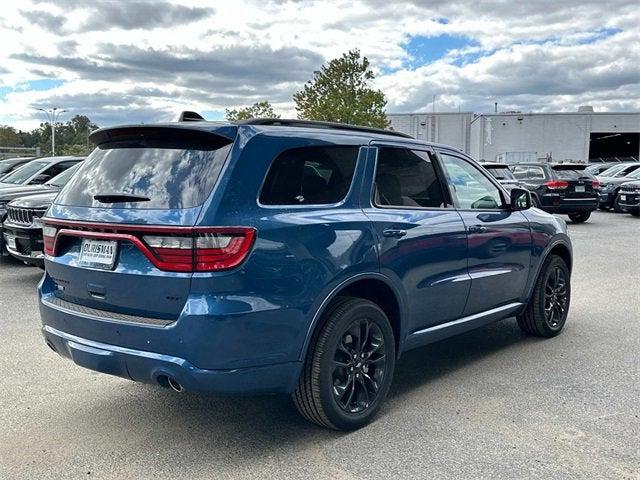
(634,211)
(616,205)
(349,366)
(548,308)
(579,217)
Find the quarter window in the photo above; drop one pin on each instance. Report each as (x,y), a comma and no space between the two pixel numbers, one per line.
(472,189)
(407,178)
(310,176)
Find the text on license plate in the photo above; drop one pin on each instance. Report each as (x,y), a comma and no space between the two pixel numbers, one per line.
(98,253)
(579,188)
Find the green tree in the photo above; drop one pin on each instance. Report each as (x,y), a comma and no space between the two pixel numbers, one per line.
(341,92)
(257,110)
(9,137)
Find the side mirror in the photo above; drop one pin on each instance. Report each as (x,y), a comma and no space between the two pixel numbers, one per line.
(520,199)
(43,177)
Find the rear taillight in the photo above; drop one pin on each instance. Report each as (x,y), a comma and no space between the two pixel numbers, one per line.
(49,237)
(172,249)
(595,184)
(557,184)
(215,249)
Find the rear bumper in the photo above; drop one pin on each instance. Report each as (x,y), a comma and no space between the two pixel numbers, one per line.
(154,368)
(554,203)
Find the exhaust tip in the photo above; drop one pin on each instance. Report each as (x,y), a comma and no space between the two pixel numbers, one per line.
(175,386)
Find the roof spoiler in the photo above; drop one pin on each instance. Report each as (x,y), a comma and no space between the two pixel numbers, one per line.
(188,116)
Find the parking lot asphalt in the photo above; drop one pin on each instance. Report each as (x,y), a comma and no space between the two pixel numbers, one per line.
(492,403)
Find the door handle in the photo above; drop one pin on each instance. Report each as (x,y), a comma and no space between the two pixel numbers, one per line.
(394,233)
(477,229)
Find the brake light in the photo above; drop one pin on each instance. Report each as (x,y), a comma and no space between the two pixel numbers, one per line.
(557,184)
(49,237)
(172,249)
(595,183)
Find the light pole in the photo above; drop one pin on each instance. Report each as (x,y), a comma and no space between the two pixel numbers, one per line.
(53,114)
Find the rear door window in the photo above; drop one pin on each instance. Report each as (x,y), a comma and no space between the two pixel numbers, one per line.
(310,176)
(162,173)
(407,178)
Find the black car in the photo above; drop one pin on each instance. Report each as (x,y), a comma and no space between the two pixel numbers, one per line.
(610,187)
(22,230)
(8,165)
(560,188)
(629,197)
(501,172)
(7,195)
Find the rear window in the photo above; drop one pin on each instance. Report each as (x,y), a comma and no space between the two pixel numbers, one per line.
(501,173)
(310,176)
(166,175)
(568,173)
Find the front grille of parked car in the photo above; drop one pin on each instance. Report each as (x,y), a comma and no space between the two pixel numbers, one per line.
(23,216)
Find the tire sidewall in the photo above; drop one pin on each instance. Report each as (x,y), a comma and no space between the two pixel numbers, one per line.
(338,417)
(550,264)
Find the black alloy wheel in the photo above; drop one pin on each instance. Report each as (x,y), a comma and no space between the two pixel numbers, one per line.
(359,363)
(349,365)
(555,297)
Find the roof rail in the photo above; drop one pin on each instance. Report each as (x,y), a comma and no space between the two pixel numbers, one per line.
(188,116)
(317,124)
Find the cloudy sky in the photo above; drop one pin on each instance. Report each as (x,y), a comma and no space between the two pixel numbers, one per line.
(143,61)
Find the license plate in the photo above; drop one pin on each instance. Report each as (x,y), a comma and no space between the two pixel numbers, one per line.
(623,198)
(98,254)
(11,241)
(580,188)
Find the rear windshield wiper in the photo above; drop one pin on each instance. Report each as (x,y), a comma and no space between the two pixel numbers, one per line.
(120,198)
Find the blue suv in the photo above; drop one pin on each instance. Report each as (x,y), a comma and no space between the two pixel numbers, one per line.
(288,256)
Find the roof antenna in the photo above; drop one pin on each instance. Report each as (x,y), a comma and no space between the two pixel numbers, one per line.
(188,116)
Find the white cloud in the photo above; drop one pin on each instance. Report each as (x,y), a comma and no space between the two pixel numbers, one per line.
(132,61)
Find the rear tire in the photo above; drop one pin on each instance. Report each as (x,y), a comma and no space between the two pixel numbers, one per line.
(579,217)
(547,311)
(337,389)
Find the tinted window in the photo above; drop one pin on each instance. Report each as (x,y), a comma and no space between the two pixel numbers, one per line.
(470,186)
(169,176)
(571,173)
(310,176)
(25,172)
(58,168)
(524,172)
(501,173)
(407,178)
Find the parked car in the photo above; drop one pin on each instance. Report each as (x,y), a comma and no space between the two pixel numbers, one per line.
(560,188)
(16,191)
(21,230)
(8,165)
(619,170)
(609,190)
(38,171)
(287,256)
(503,174)
(629,197)
(598,168)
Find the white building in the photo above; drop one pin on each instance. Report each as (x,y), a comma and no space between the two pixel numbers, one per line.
(515,136)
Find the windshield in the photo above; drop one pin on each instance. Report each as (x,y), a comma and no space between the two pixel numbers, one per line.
(24,173)
(152,174)
(610,172)
(62,179)
(501,173)
(635,174)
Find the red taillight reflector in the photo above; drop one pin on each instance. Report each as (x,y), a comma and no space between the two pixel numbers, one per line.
(557,184)
(221,249)
(49,237)
(595,183)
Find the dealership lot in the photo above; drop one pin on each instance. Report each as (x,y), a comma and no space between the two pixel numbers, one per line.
(488,404)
